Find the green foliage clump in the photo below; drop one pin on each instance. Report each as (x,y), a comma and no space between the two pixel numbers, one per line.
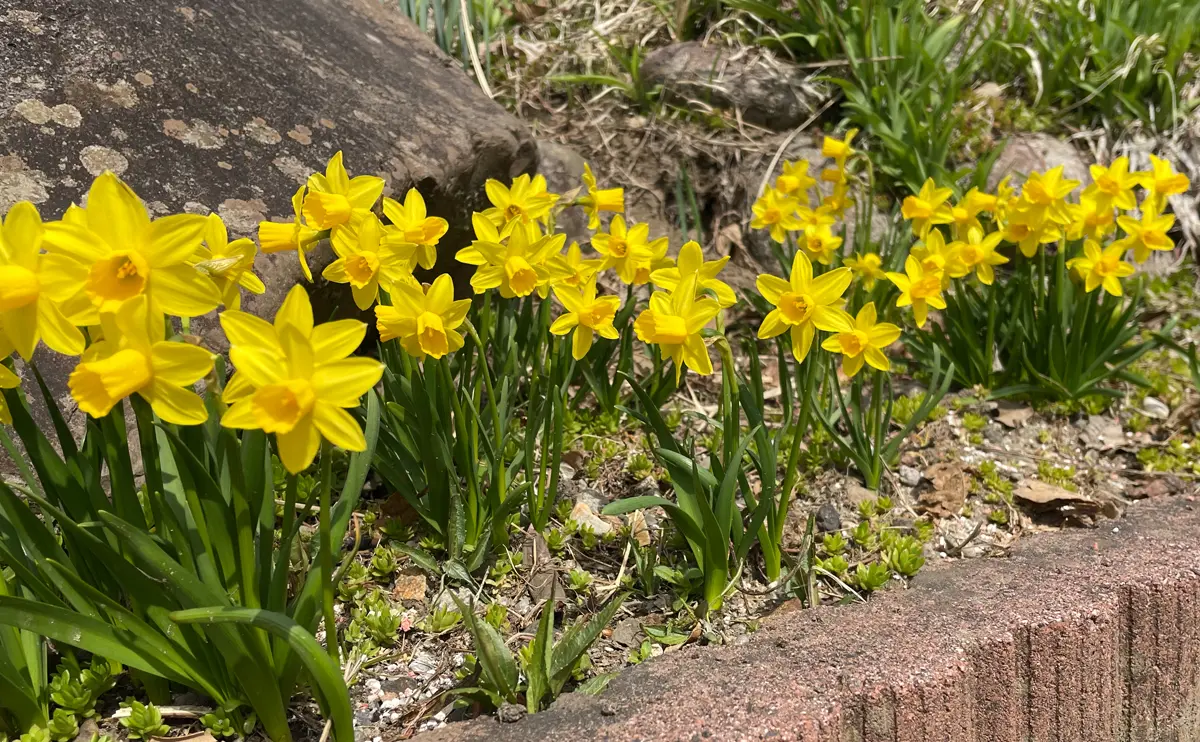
(144,720)
(1059,476)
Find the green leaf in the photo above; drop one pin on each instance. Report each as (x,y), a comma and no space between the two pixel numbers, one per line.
(495,659)
(540,659)
(576,640)
(89,634)
(331,687)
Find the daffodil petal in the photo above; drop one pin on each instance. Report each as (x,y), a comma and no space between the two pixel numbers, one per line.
(342,383)
(295,311)
(173,239)
(243,328)
(338,339)
(175,404)
(581,342)
(298,447)
(240,416)
(180,364)
(261,366)
(802,337)
(338,427)
(57,331)
(183,291)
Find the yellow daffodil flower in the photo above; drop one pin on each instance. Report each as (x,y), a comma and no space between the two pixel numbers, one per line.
(673,323)
(919,289)
(1006,200)
(518,261)
(691,262)
(303,383)
(426,320)
(794,179)
(287,236)
(938,256)
(820,243)
(865,342)
(1112,186)
(1146,234)
(599,200)
(581,271)
(927,208)
(1161,181)
(242,328)
(775,211)
(1044,197)
(30,294)
(229,264)
(834,175)
(804,304)
(1028,235)
(121,254)
(587,314)
(965,213)
(819,218)
(133,358)
(868,268)
(366,262)
(838,201)
(977,254)
(1092,218)
(411,224)
(1102,267)
(335,199)
(839,149)
(527,201)
(630,251)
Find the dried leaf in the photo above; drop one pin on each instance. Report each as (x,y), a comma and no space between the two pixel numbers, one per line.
(583,514)
(542,576)
(1012,414)
(947,492)
(638,528)
(1043,497)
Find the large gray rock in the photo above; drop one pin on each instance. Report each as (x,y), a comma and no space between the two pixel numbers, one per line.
(766,90)
(227,107)
(1026,153)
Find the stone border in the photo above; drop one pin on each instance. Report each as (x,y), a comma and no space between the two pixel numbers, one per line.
(1081,635)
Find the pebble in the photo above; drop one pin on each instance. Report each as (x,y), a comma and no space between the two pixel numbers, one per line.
(909,476)
(1155,408)
(509,713)
(828,519)
(423,664)
(591,497)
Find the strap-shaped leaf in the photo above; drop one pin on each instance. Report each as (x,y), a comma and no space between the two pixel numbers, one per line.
(330,685)
(576,640)
(496,660)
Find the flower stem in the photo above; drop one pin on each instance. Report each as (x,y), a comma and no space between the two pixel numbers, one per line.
(326,545)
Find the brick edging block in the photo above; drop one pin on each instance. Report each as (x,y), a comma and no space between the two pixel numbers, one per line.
(1085,636)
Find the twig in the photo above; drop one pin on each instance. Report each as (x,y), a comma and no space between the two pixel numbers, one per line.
(954,550)
(466,17)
